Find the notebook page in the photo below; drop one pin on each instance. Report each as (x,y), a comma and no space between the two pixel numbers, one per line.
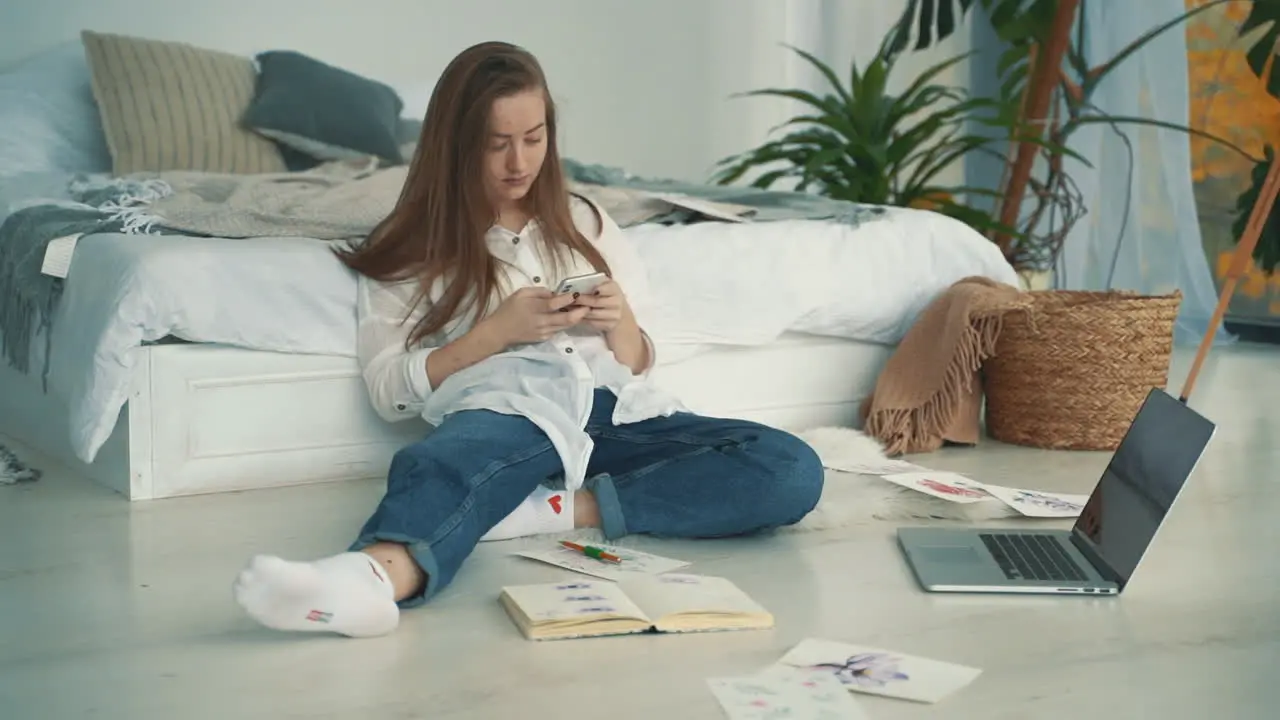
(672,593)
(574,600)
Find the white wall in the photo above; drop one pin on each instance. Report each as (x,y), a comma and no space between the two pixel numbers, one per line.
(643,84)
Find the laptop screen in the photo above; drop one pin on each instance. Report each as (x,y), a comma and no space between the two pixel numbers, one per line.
(1147,472)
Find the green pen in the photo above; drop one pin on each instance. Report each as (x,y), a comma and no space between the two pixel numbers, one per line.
(593,552)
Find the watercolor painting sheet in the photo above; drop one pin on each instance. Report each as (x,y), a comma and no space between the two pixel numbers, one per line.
(876,671)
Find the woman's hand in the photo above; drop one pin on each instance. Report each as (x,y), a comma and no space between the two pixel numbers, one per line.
(606,307)
(532,314)
(610,314)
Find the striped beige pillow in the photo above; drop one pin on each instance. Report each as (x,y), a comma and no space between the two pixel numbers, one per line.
(172,106)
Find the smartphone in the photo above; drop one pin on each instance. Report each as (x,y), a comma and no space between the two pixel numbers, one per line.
(581,284)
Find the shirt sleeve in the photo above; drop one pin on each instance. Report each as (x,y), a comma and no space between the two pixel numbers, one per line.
(395,376)
(625,266)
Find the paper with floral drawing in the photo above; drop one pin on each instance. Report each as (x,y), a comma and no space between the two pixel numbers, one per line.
(882,672)
(945,485)
(785,692)
(1039,503)
(633,562)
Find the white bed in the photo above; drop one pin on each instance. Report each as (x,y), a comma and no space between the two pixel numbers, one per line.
(204,418)
(183,365)
(790,327)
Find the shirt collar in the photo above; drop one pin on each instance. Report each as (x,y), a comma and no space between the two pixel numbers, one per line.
(503,242)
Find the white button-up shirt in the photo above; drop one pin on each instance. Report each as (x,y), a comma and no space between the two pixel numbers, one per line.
(551,383)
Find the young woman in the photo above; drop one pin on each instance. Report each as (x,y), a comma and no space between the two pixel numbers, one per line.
(544,417)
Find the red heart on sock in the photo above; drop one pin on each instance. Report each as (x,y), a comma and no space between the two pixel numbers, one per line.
(554,502)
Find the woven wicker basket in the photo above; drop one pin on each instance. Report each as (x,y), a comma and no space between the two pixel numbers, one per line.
(1072,373)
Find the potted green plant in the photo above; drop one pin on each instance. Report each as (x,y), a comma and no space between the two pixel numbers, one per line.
(1046,82)
(860,143)
(1266,254)
(1263,19)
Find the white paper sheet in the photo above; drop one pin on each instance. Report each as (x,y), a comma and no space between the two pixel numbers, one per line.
(633,562)
(882,672)
(945,485)
(1039,503)
(784,692)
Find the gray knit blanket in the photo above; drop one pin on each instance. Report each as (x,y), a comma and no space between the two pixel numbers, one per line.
(29,297)
(335,201)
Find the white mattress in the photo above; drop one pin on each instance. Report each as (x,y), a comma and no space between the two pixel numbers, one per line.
(718,285)
(312,421)
(796,381)
(280,294)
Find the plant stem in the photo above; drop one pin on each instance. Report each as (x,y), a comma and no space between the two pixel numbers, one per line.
(1048,67)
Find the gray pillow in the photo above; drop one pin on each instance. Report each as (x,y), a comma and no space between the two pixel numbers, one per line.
(409,130)
(323,112)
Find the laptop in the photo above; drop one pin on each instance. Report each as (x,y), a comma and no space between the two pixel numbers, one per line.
(1100,553)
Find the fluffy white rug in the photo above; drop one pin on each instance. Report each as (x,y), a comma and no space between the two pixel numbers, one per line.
(851,498)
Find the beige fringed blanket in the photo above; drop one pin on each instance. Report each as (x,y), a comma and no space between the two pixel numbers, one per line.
(929,392)
(338,200)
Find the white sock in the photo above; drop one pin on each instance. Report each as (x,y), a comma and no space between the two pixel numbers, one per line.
(544,511)
(346,594)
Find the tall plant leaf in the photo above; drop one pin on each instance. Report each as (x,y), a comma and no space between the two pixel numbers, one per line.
(1264,16)
(1263,26)
(926,77)
(932,20)
(1150,122)
(1267,253)
(826,71)
(827,104)
(1096,75)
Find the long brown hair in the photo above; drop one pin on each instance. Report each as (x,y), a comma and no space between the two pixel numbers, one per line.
(437,228)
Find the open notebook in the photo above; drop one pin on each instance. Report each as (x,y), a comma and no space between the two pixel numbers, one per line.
(654,603)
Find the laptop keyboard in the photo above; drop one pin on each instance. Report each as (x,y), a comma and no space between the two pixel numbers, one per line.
(1032,557)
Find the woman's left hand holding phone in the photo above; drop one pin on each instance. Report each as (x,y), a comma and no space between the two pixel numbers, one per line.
(606,304)
(532,314)
(529,315)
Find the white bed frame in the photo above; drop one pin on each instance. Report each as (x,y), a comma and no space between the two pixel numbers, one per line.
(205,419)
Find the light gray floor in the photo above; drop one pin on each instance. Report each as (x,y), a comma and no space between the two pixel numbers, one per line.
(113,610)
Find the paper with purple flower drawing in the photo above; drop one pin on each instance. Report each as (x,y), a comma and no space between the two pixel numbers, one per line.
(881,672)
(1038,503)
(785,692)
(946,485)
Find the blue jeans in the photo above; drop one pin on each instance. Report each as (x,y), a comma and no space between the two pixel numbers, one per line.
(683,476)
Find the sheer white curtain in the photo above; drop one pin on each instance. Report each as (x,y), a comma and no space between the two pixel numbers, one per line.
(1142,232)
(746,53)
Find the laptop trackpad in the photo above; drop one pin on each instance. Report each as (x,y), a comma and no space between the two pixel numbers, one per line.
(950,554)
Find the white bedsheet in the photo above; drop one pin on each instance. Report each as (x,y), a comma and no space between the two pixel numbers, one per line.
(717,284)
(746,284)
